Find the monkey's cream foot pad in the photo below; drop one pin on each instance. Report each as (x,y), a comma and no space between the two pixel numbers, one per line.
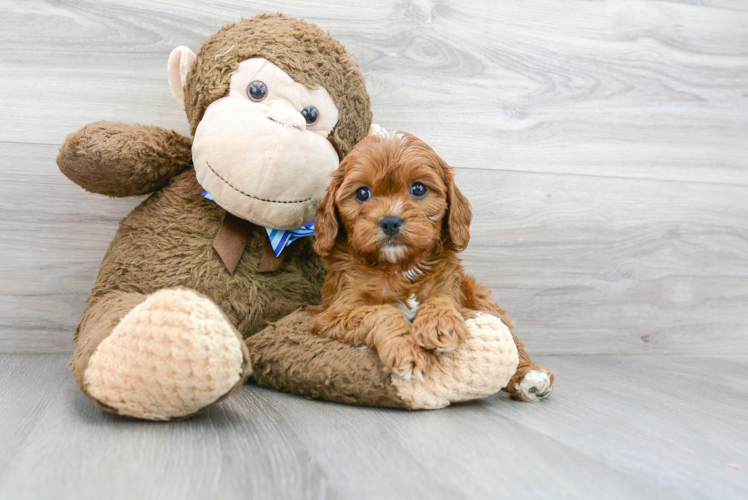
(169,357)
(288,357)
(482,366)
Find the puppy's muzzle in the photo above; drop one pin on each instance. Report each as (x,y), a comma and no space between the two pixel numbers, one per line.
(391,225)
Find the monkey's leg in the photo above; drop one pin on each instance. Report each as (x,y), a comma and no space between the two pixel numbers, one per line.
(158,357)
(531,382)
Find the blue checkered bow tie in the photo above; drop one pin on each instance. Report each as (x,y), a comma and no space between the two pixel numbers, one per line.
(280,238)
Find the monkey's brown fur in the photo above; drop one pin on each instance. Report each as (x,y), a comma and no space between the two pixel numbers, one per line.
(287,357)
(309,56)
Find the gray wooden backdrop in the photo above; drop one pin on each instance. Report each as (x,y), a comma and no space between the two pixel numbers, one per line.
(604,146)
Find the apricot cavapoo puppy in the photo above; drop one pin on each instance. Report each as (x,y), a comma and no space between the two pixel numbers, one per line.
(390,229)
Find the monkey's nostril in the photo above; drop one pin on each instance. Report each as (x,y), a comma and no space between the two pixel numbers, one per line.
(390,225)
(286,116)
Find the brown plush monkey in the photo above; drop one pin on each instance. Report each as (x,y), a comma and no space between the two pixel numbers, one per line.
(162,333)
(274,103)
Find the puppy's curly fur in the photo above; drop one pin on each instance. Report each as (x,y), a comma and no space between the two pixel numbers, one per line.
(390,230)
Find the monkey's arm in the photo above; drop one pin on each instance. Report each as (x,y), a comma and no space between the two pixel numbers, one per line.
(119,159)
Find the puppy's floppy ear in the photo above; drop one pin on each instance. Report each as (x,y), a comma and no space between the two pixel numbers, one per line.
(459,212)
(326,220)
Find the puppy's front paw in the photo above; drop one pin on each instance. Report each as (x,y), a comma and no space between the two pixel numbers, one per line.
(533,385)
(401,356)
(441,329)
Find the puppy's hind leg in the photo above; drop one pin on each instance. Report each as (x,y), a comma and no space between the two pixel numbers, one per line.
(531,382)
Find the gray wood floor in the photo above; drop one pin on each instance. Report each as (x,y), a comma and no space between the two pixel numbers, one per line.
(616,427)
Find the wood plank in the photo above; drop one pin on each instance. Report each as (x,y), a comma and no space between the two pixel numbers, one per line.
(583,264)
(593,265)
(54,235)
(616,427)
(88,453)
(656,416)
(636,89)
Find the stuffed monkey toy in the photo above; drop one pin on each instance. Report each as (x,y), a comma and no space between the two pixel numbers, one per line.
(207,278)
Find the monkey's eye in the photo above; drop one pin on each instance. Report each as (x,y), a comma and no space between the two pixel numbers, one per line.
(257,91)
(363,194)
(310,114)
(418,190)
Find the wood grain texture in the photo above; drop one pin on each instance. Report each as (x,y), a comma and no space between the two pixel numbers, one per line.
(603,145)
(616,427)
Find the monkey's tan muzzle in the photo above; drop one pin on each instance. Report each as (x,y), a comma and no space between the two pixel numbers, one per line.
(258,168)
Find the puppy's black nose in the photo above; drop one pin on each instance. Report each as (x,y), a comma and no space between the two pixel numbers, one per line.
(390,225)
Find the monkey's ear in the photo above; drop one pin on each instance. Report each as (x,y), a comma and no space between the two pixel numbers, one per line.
(180,62)
(459,213)
(326,221)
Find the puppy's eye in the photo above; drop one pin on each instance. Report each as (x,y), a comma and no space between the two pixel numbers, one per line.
(418,190)
(310,114)
(363,194)
(257,91)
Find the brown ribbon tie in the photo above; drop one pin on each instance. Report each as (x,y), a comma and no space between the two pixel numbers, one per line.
(232,239)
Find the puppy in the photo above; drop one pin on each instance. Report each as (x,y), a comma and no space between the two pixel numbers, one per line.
(390,230)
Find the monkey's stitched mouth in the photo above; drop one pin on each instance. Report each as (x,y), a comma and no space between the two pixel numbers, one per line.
(250,195)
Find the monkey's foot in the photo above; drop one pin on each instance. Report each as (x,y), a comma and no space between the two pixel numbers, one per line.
(168,358)
(481,366)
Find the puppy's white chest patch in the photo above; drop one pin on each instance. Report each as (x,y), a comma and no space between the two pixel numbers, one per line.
(409,308)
